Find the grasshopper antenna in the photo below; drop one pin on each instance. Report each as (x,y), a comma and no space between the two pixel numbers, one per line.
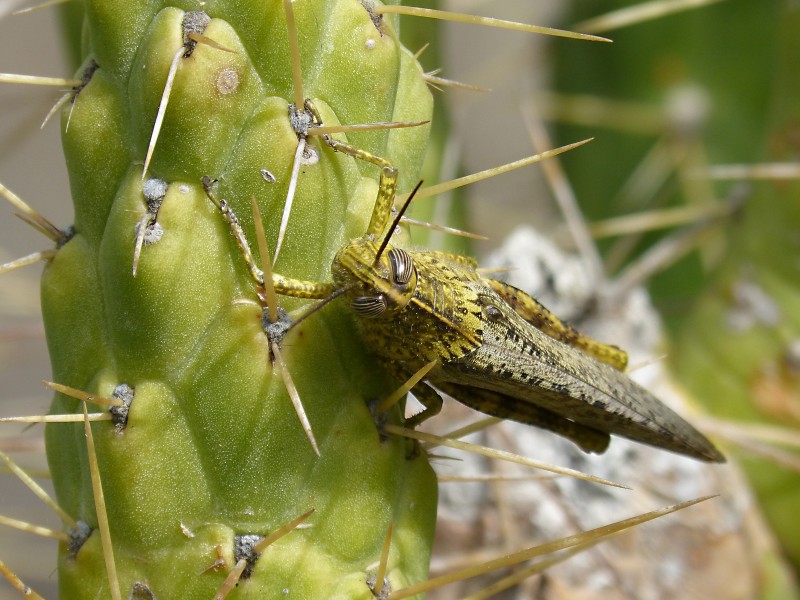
(396,222)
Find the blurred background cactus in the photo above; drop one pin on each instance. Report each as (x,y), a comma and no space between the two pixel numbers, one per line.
(702,119)
(670,102)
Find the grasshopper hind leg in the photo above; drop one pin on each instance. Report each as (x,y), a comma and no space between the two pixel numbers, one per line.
(492,403)
(495,404)
(537,315)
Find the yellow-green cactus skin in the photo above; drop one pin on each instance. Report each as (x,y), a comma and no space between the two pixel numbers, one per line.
(211,448)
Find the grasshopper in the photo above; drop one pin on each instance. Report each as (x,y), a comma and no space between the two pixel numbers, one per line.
(496,348)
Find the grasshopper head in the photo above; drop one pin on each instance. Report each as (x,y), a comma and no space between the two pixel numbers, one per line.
(380,287)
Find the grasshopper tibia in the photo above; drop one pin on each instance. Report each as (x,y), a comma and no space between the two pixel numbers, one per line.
(283,285)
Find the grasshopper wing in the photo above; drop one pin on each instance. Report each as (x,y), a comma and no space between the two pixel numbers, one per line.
(519,361)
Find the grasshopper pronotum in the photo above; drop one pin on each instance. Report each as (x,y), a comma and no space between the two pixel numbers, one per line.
(497,349)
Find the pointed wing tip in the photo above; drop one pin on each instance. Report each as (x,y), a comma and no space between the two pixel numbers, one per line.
(699,449)
(713,455)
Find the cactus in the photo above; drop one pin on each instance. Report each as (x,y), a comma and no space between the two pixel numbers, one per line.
(210,455)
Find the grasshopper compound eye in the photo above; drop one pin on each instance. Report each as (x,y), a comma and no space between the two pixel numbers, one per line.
(402,266)
(369,306)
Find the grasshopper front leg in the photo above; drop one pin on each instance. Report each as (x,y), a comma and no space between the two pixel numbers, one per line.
(387,185)
(286,286)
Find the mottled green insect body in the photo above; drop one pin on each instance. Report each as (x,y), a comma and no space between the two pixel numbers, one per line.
(415,307)
(496,348)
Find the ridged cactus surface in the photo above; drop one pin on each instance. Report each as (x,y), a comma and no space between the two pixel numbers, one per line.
(211,448)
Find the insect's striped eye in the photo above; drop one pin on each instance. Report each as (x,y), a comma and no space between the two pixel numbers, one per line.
(402,266)
(368,306)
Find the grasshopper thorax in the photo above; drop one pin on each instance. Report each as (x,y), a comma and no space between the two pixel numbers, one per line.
(379,286)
